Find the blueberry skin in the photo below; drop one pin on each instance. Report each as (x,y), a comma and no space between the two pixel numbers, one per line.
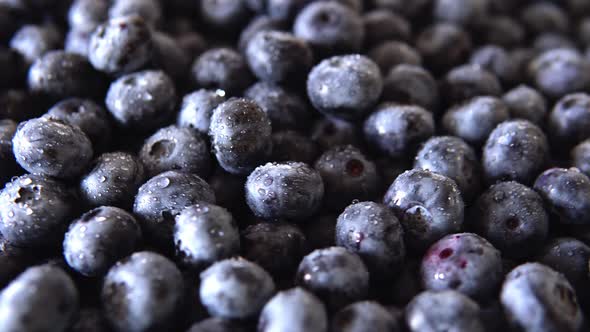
(580,156)
(121,45)
(43,298)
(397,130)
(89,320)
(428,205)
(32,41)
(60,74)
(176,148)
(197,107)
(364,316)
(469,81)
(544,17)
(474,119)
(221,68)
(235,289)
(162,198)
(240,135)
(35,210)
(99,238)
(276,247)
(290,190)
(497,61)
(464,262)
(329,132)
(214,324)
(276,56)
(149,10)
(526,103)
(411,85)
(391,54)
(443,46)
(293,310)
(142,101)
(559,72)
(8,165)
(330,28)
(537,298)
(13,67)
(224,16)
(170,57)
(502,30)
(570,257)
(447,310)
(507,144)
(51,147)
(89,116)
(345,86)
(381,25)
(372,231)
(286,10)
(290,145)
(142,292)
(335,275)
(569,121)
(347,175)
(203,234)
(460,12)
(86,15)
(454,158)
(512,217)
(566,193)
(286,109)
(77,42)
(113,180)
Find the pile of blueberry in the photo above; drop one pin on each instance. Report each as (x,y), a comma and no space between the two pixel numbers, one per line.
(294,165)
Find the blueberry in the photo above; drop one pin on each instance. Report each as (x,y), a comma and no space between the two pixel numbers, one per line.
(515,150)
(276,247)
(428,205)
(337,276)
(526,103)
(113,180)
(235,289)
(559,72)
(501,30)
(35,210)
(60,74)
(275,56)
(214,324)
(544,17)
(363,317)
(197,107)
(291,190)
(468,81)
(169,56)
(566,193)
(77,42)
(221,68)
(51,147)
(497,61)
(293,310)
(569,121)
(454,158)
(89,116)
(240,135)
(347,175)
(581,157)
(443,46)
(225,15)
(86,15)
(142,292)
(176,148)
(474,119)
(99,238)
(289,145)
(285,108)
(142,101)
(20,105)
(13,67)
(413,85)
(148,10)
(460,12)
(43,298)
(397,130)
(549,41)
(162,198)
(89,320)
(584,32)
(344,86)
(536,287)
(203,234)
(512,217)
(329,132)
(464,262)
(257,24)
(330,28)
(286,10)
(447,310)
(382,25)
(32,41)
(8,165)
(193,43)
(373,232)
(121,45)
(391,53)
(570,257)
